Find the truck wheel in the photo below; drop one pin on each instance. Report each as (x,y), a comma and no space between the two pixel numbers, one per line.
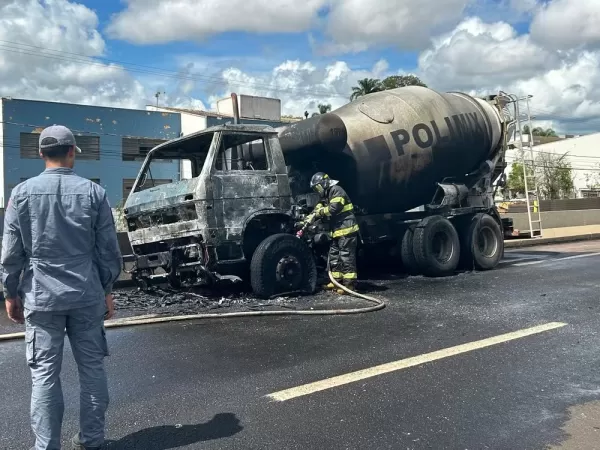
(436,246)
(282,263)
(407,254)
(482,243)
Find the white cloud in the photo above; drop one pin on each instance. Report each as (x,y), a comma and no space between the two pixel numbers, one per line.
(482,58)
(30,72)
(300,85)
(567,24)
(348,24)
(49,51)
(157,21)
(479,54)
(406,24)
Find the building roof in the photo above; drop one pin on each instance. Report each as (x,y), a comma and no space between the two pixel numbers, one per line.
(588,145)
(199,112)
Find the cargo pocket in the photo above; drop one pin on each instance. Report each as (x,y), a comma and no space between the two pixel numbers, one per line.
(30,346)
(104,343)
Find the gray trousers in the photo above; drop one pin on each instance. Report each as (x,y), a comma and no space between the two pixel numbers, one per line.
(45,338)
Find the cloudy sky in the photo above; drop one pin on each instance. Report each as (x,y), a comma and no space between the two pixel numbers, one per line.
(121,52)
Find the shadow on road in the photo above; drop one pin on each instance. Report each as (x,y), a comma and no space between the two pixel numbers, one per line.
(174,436)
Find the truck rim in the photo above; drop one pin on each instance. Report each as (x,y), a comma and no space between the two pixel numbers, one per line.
(289,271)
(442,247)
(487,242)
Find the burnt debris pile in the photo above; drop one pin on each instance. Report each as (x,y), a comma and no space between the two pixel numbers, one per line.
(169,301)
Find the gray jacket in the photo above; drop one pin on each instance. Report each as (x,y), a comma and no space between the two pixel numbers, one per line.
(60,236)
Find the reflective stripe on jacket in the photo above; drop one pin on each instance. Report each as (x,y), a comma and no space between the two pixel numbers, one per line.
(340,210)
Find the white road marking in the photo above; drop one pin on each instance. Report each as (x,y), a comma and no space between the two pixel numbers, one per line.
(352,377)
(556,259)
(578,256)
(529,263)
(513,260)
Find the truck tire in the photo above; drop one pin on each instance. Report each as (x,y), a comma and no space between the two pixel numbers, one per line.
(407,254)
(282,263)
(436,246)
(482,243)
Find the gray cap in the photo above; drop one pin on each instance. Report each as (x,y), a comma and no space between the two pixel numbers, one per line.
(62,136)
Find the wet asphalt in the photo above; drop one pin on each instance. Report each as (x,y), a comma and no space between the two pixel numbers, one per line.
(202,385)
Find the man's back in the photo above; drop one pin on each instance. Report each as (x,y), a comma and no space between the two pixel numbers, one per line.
(65,224)
(60,255)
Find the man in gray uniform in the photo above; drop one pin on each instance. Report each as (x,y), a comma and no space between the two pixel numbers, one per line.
(60,258)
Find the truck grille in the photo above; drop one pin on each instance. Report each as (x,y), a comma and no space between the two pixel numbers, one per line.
(166,216)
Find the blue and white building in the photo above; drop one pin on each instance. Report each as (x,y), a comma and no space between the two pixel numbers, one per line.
(113,141)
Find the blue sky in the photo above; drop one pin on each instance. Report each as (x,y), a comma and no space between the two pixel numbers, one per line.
(250,52)
(306,52)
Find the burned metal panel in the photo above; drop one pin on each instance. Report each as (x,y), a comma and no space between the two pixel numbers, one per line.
(166,232)
(163,196)
(237,196)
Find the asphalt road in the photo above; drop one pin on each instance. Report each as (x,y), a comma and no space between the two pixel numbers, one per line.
(205,384)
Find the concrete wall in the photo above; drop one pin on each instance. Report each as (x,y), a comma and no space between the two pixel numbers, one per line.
(557,219)
(109,124)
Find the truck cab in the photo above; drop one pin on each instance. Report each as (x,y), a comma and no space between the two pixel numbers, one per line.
(212,225)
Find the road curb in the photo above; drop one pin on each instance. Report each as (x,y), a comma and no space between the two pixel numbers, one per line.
(551,240)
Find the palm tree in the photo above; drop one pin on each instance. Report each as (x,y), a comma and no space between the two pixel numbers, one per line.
(324,109)
(365,86)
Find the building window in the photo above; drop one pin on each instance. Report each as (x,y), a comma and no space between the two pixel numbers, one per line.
(136,149)
(590,193)
(89,145)
(128,185)
(29,146)
(241,152)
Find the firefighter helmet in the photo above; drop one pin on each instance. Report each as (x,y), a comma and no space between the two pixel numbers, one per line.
(320,182)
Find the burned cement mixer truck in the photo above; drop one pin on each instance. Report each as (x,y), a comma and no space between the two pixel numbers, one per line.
(421,168)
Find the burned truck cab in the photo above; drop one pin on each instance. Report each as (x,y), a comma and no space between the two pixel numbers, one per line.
(209,226)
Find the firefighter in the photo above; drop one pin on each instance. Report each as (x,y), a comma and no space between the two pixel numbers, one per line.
(335,205)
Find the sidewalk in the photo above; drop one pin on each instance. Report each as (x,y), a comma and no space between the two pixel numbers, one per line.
(555,235)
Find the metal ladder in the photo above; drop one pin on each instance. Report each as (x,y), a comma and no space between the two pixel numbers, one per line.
(534,213)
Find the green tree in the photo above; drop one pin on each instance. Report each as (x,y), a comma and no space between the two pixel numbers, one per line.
(555,176)
(323,109)
(365,86)
(592,179)
(539,131)
(516,181)
(397,81)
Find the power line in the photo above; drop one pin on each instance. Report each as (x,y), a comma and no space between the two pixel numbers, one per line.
(567,153)
(33,50)
(77,58)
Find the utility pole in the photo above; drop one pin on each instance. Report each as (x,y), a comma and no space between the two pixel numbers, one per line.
(158,94)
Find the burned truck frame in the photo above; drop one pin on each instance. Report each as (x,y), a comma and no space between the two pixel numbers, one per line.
(196,230)
(236,215)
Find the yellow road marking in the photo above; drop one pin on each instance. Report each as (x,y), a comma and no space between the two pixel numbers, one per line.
(352,377)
